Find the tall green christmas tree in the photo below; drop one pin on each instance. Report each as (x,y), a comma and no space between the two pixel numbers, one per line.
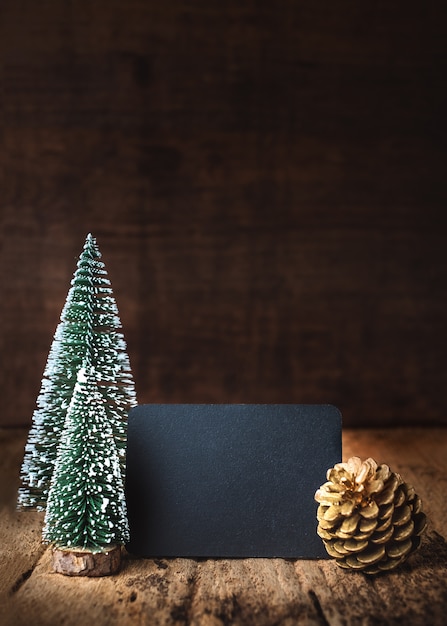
(89,328)
(86,506)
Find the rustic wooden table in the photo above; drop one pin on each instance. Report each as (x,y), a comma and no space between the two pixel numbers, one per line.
(240,591)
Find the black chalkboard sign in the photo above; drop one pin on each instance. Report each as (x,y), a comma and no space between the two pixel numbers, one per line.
(228,480)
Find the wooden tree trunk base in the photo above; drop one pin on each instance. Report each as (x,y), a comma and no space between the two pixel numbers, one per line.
(84,563)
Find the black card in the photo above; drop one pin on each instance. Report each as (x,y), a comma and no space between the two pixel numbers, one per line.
(228,480)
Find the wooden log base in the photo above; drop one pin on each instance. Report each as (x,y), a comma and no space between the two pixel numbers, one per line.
(84,563)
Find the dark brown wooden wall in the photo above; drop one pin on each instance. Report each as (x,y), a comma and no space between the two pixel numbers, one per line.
(267,184)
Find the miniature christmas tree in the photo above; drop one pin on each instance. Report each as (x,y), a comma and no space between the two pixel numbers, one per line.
(86,509)
(89,326)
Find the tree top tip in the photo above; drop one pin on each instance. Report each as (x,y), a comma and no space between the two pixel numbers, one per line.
(91,245)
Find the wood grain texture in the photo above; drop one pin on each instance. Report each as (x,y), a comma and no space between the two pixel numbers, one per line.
(266,183)
(216,592)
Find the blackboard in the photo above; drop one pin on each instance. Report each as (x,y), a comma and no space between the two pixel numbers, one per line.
(228,480)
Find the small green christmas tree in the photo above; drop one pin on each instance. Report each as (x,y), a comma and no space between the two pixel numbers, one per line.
(86,507)
(89,326)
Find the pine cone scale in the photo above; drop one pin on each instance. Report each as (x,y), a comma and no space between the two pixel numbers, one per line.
(361,536)
(386,497)
(353,545)
(404,532)
(332,514)
(353,563)
(349,524)
(399,548)
(326,524)
(401,497)
(386,511)
(370,511)
(402,515)
(342,535)
(420,523)
(340,548)
(368,525)
(324,534)
(383,537)
(347,508)
(417,505)
(371,555)
(332,551)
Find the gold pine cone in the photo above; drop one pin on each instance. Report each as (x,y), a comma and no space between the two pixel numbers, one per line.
(368,518)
